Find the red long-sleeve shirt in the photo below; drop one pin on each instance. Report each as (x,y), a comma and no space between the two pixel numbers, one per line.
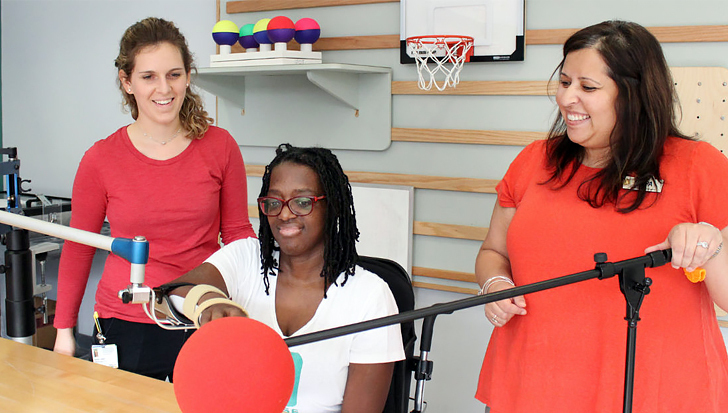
(180,205)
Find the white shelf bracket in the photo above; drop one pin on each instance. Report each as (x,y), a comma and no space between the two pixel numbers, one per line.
(230,88)
(342,86)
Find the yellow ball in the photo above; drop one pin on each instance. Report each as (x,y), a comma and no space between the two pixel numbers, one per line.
(261,25)
(225,26)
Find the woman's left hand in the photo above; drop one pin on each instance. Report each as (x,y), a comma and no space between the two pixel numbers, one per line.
(692,244)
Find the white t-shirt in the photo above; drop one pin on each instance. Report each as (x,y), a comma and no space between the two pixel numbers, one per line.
(321,367)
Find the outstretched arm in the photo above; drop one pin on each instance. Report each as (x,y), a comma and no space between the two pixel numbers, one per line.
(208,274)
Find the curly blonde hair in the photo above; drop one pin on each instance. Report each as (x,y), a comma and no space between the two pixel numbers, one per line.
(150,32)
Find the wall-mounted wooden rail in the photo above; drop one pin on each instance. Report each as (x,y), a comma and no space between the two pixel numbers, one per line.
(668,34)
(245,6)
(481,88)
(443,274)
(665,34)
(442,183)
(435,229)
(441,287)
(384,41)
(476,137)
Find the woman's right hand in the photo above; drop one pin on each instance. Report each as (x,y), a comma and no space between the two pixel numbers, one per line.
(220,311)
(65,342)
(494,264)
(500,312)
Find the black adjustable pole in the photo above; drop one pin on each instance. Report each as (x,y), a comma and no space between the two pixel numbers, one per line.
(631,283)
(442,308)
(634,285)
(603,270)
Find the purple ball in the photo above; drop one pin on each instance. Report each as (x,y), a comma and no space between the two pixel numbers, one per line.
(281,35)
(248,42)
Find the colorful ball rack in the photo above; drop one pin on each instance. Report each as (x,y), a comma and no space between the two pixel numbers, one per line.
(266,42)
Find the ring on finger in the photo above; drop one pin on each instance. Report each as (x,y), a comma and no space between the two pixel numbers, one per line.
(703,244)
(494,319)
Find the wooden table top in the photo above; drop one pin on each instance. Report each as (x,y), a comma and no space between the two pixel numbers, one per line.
(35,380)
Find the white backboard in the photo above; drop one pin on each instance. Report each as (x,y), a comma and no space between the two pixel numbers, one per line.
(497,26)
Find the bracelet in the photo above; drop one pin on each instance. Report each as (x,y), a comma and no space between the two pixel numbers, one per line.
(717,251)
(493,280)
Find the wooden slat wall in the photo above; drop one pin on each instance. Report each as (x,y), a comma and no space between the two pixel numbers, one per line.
(705,33)
(671,34)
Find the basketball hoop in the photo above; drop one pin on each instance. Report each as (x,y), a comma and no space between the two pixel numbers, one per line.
(439,56)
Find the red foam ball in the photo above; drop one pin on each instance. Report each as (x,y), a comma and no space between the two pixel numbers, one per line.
(234,364)
(281,22)
(307,23)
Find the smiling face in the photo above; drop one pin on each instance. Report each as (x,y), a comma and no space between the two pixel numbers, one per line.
(587,98)
(159,83)
(297,235)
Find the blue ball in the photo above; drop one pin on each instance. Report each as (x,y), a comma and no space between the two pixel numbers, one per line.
(262,37)
(307,36)
(260,31)
(225,38)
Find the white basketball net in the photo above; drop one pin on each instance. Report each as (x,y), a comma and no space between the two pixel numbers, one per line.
(439,59)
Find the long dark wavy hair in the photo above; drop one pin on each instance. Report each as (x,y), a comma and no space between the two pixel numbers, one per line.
(340,232)
(153,31)
(645,106)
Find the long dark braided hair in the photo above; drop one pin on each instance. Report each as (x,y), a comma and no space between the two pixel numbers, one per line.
(340,232)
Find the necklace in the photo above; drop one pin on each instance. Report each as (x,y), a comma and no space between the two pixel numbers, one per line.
(165,141)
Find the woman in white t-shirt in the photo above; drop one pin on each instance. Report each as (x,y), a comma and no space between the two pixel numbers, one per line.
(309,282)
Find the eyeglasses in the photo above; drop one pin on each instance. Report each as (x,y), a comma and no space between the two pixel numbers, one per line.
(299,206)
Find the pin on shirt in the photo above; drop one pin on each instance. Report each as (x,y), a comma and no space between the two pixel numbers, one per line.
(653,185)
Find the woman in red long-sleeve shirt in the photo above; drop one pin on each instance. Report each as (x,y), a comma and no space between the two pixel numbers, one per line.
(171,177)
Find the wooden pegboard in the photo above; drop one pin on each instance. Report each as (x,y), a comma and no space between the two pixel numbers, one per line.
(703,93)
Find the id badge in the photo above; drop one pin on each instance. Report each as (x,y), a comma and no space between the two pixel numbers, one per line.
(105,354)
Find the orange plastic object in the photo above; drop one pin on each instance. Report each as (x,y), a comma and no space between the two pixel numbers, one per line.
(695,276)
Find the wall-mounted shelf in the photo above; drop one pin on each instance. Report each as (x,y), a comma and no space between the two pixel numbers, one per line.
(338,106)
